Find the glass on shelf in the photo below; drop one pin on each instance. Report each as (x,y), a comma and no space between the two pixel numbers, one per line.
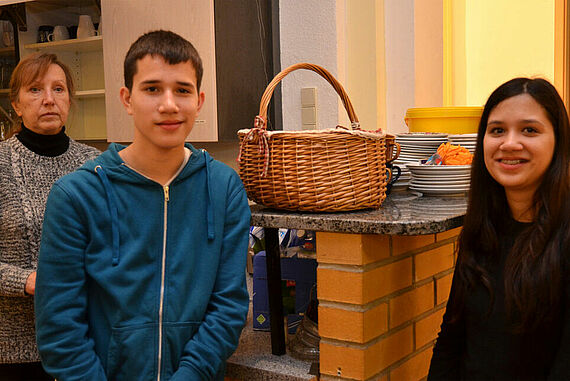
(5,128)
(7,119)
(7,66)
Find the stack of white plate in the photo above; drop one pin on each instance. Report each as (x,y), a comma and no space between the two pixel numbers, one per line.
(404,180)
(418,209)
(468,141)
(440,179)
(414,146)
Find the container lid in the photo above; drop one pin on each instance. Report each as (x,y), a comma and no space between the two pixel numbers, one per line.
(446,112)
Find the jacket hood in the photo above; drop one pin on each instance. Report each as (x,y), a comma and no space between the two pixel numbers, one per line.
(110,168)
(116,169)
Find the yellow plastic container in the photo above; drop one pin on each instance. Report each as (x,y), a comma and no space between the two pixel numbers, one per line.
(449,120)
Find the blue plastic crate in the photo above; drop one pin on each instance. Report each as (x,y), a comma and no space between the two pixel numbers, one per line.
(298,275)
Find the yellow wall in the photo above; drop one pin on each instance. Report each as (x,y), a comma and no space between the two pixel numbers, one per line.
(362,67)
(460,50)
(496,40)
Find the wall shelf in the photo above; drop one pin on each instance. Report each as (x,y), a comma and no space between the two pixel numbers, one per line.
(88,44)
(92,138)
(7,52)
(88,93)
(78,94)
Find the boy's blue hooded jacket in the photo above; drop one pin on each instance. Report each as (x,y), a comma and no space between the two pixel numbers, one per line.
(136,278)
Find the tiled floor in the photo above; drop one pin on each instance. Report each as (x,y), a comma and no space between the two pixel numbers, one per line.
(253,359)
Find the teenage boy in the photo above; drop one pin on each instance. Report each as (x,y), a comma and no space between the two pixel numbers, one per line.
(141,270)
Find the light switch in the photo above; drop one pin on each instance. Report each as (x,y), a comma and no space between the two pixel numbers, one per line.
(308,97)
(308,115)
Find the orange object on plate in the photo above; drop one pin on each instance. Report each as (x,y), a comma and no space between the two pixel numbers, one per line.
(454,154)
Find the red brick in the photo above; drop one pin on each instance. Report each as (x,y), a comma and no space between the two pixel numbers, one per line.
(415,368)
(433,261)
(411,304)
(448,234)
(443,286)
(428,328)
(361,364)
(393,348)
(403,244)
(353,326)
(352,249)
(363,287)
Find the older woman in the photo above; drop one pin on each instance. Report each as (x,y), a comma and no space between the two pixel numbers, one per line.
(39,153)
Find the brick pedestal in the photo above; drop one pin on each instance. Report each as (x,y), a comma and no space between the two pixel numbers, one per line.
(381,301)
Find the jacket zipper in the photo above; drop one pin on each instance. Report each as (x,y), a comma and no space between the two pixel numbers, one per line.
(162,276)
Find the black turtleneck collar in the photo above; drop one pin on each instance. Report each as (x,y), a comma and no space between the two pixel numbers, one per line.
(44,145)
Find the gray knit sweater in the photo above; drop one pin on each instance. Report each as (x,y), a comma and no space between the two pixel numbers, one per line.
(25,181)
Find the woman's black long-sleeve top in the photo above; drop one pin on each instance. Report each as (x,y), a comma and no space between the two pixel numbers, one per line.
(481,345)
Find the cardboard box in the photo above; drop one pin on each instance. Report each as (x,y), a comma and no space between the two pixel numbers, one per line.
(298,275)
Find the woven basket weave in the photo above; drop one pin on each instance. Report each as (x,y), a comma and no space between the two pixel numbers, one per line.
(318,170)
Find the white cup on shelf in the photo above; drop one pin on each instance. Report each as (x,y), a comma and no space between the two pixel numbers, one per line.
(8,39)
(85,28)
(59,33)
(7,34)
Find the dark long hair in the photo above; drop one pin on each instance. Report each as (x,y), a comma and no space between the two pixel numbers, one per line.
(534,267)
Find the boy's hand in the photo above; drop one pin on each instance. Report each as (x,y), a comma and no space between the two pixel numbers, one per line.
(30,288)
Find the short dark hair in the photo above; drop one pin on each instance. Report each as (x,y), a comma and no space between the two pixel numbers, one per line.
(168,45)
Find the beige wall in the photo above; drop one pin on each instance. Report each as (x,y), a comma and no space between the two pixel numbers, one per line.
(400,62)
(428,53)
(390,58)
(363,61)
(308,34)
(395,54)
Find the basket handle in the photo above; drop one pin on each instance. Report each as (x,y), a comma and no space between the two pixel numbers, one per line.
(268,93)
(394,155)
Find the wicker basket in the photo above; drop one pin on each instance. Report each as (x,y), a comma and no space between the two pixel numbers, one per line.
(318,170)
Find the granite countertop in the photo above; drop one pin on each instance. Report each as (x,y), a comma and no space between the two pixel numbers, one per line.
(402,213)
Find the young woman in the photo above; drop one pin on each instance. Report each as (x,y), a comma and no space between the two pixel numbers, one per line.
(41,90)
(507,317)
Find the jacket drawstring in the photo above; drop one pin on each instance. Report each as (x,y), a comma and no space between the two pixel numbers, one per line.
(111,201)
(209,209)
